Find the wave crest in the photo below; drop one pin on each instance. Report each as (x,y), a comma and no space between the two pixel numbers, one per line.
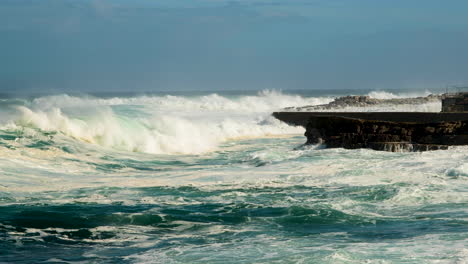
(160,125)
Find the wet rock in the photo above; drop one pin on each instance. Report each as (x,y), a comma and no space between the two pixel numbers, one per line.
(351,133)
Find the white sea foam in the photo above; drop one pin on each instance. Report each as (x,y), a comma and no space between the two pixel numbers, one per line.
(426,107)
(161,125)
(173,124)
(163,134)
(133,129)
(389,95)
(96,156)
(431,106)
(264,101)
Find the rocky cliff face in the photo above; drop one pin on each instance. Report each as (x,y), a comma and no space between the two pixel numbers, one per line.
(351,133)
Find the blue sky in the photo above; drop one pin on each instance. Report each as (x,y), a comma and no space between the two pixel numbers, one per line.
(144,45)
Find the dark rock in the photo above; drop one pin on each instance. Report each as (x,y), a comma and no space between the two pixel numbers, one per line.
(457,102)
(351,133)
(390,131)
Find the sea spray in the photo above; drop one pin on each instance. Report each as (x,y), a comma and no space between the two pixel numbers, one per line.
(81,181)
(159,124)
(391,95)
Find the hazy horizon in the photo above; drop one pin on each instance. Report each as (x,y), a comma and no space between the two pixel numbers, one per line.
(145,46)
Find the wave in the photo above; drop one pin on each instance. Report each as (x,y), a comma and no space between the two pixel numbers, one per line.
(264,101)
(159,124)
(389,95)
(165,124)
(162,134)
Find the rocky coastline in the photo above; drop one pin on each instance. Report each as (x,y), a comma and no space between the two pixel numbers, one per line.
(365,101)
(388,131)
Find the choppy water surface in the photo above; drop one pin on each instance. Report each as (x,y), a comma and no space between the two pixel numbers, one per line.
(214,179)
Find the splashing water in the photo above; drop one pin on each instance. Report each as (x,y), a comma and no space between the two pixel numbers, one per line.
(158,125)
(214,179)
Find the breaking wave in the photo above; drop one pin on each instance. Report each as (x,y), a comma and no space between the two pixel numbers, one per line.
(158,124)
(167,124)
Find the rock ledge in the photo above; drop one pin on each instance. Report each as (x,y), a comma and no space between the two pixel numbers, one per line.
(352,133)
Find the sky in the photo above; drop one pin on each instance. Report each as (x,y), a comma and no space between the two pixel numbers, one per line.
(161,45)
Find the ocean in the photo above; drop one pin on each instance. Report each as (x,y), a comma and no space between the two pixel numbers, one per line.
(212,177)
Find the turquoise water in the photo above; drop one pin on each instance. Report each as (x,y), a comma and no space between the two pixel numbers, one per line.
(214,179)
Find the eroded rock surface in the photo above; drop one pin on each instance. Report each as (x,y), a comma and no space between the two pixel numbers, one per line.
(352,133)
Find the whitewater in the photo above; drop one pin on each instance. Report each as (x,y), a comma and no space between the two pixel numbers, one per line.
(214,178)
